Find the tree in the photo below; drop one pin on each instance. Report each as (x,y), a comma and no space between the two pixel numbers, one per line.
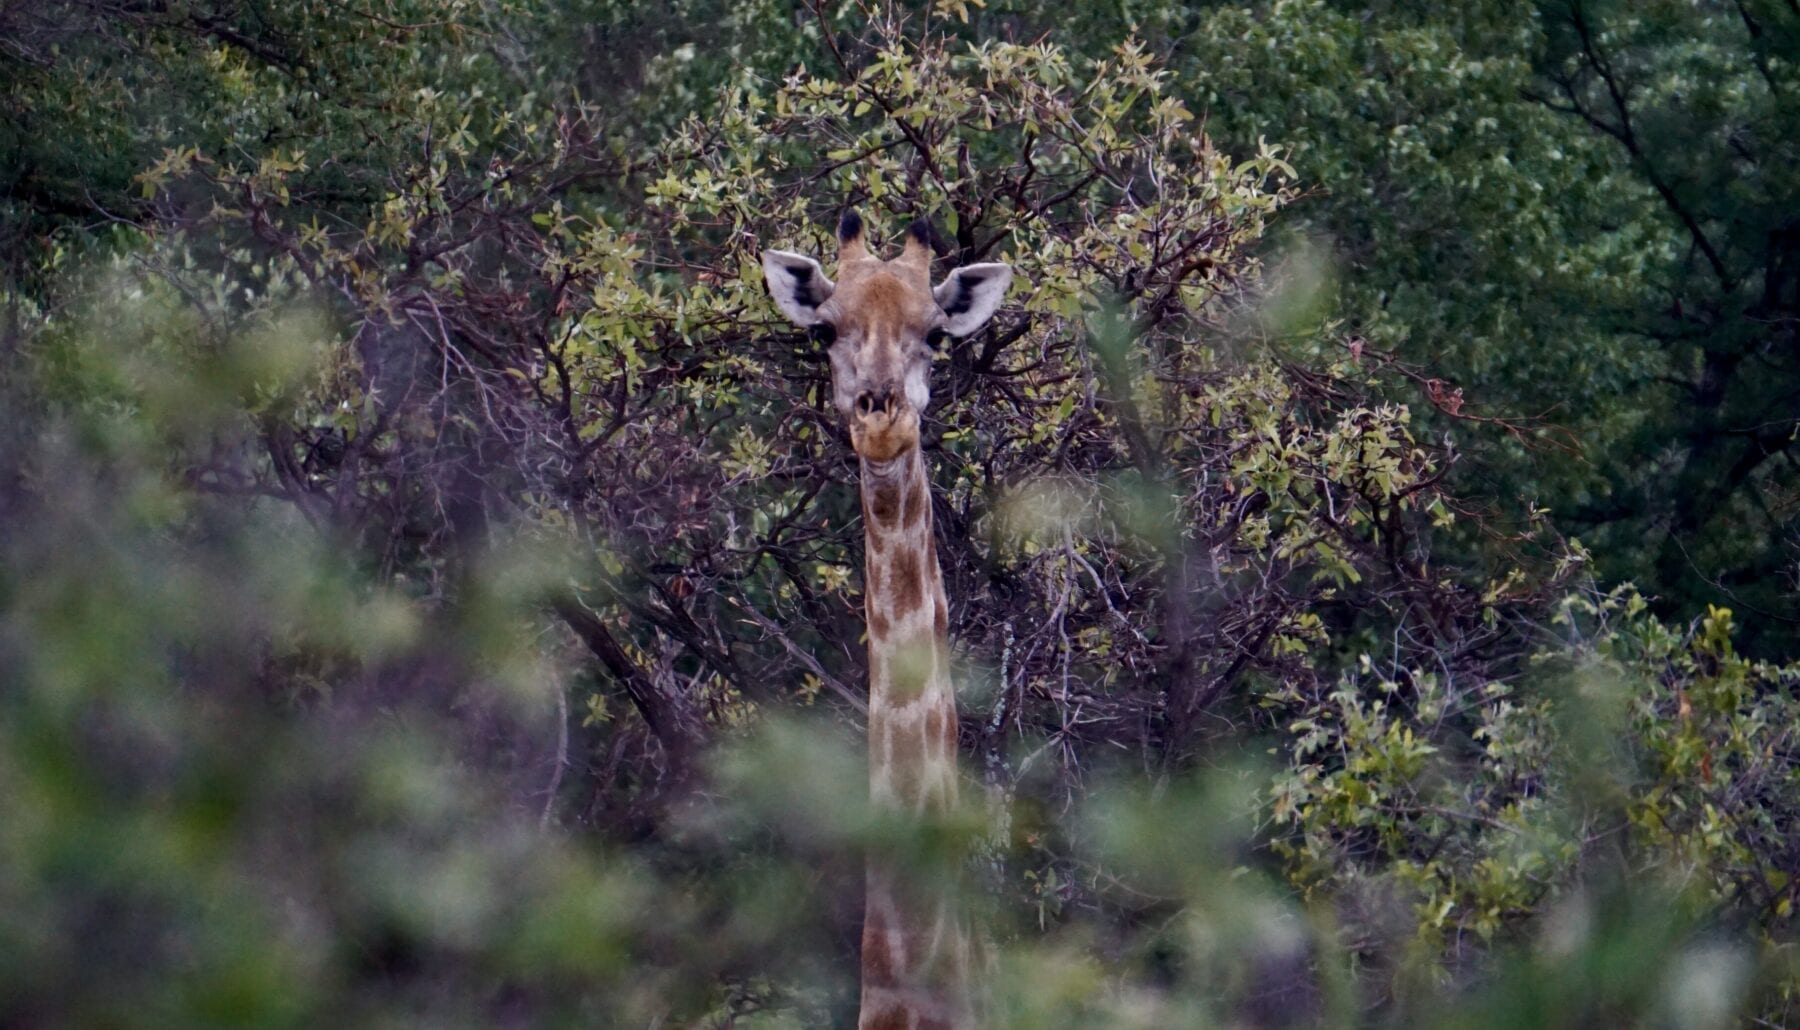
(1577,213)
(1696,103)
(416,550)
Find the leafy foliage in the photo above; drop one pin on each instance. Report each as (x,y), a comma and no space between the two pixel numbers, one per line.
(428,560)
(1577,214)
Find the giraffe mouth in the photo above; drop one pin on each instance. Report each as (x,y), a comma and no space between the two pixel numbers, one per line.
(884,435)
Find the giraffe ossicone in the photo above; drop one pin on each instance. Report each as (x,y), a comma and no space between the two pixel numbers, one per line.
(880,320)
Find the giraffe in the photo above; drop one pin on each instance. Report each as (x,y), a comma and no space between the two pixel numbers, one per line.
(881,321)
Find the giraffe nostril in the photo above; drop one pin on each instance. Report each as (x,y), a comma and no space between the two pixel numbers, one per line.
(871,401)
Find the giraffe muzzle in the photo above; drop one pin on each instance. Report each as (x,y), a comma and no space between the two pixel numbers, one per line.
(884,425)
(872,402)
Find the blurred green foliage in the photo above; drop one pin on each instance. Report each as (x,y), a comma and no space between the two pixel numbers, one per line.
(426,588)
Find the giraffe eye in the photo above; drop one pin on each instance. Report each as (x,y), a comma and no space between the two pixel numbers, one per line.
(822,333)
(936,338)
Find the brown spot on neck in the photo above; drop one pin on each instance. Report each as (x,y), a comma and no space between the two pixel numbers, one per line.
(906,590)
(892,1017)
(881,506)
(915,504)
(881,967)
(896,495)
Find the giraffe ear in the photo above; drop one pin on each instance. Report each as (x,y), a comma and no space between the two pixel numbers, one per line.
(970,296)
(798,285)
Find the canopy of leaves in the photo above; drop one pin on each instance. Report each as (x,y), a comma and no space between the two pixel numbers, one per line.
(427,567)
(1572,211)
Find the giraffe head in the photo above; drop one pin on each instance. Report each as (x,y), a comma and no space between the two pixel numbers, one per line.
(882,321)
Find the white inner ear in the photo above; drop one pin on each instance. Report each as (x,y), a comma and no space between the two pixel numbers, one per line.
(971,295)
(798,285)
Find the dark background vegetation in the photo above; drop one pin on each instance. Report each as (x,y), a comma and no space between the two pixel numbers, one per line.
(429,581)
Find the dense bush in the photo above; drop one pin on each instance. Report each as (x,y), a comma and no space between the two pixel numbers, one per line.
(427,561)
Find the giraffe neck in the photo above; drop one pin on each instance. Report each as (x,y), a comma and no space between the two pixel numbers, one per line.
(914,951)
(912,705)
